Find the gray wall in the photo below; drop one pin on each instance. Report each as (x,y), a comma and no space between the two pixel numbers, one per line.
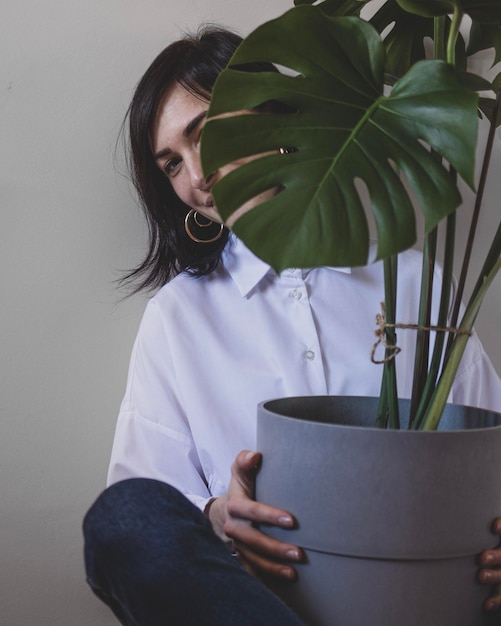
(68,226)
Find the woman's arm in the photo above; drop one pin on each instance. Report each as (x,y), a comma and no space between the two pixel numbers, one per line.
(234,514)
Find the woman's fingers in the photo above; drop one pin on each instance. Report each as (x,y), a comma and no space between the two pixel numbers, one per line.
(260,554)
(259,513)
(243,472)
(255,540)
(493,602)
(490,560)
(237,514)
(261,566)
(240,503)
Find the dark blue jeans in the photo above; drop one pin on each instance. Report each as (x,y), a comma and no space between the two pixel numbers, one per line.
(154,559)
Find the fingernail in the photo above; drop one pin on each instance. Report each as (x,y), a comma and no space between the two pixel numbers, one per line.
(485,576)
(292,554)
(285,520)
(250,456)
(490,605)
(488,557)
(288,573)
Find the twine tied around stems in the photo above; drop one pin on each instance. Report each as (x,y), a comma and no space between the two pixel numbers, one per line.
(393,350)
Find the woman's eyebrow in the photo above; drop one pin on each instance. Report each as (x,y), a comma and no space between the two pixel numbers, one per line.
(190,127)
(194,123)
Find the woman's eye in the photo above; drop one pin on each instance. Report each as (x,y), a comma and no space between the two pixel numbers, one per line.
(170,166)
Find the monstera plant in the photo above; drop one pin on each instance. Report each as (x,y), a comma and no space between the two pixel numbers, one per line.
(377,120)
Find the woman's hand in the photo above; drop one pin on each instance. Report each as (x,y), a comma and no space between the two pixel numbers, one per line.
(234,514)
(489,559)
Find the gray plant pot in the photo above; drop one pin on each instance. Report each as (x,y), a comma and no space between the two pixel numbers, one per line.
(391,522)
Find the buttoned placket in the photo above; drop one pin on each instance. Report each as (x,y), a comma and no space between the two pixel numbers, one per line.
(301,318)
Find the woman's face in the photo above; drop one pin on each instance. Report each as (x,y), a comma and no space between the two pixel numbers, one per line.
(175,142)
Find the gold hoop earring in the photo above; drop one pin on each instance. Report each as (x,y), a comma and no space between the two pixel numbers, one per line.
(200,223)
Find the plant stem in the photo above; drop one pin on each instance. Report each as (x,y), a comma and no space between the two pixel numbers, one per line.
(382,408)
(391,378)
(492,265)
(439,49)
(474,219)
(388,415)
(491,260)
(438,348)
(423,336)
(457,18)
(449,373)
(424,378)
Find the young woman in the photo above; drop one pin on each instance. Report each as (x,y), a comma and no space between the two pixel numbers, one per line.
(175,536)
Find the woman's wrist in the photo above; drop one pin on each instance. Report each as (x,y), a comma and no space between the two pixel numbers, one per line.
(208,506)
(214,510)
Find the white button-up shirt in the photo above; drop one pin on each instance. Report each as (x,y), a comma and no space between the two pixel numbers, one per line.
(210,349)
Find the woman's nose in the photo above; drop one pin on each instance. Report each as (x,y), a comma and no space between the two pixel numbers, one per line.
(199,181)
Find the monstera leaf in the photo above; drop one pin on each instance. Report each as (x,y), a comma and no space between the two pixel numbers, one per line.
(405,41)
(485,36)
(406,37)
(337,7)
(486,11)
(347,136)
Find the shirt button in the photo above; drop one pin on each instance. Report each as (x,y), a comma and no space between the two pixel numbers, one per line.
(310,355)
(296,293)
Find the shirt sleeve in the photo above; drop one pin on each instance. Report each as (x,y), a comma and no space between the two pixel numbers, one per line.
(152,437)
(477,383)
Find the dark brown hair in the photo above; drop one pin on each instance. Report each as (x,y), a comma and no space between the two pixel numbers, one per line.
(194,62)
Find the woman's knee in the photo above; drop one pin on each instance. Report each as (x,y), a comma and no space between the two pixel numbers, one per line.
(140,519)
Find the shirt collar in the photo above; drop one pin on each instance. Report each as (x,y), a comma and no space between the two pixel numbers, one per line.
(247,270)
